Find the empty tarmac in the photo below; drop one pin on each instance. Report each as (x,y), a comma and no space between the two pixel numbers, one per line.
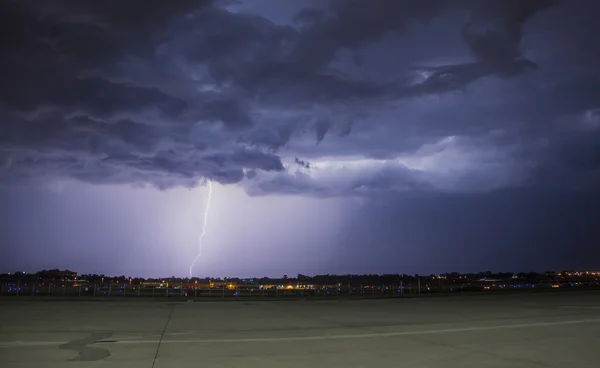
(534,330)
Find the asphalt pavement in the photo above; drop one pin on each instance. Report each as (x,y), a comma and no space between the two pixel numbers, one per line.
(533,330)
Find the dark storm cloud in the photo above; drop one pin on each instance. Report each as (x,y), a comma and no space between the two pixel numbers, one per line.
(60,118)
(351,24)
(168,94)
(496,48)
(228,112)
(93,95)
(321,127)
(500,46)
(304,164)
(248,159)
(273,138)
(54,130)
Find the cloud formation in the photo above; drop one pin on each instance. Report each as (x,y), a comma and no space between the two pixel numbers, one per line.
(368,93)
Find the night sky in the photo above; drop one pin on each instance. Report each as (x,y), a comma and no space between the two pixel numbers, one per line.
(345,136)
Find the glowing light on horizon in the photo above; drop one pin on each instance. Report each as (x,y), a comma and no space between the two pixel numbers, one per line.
(203,233)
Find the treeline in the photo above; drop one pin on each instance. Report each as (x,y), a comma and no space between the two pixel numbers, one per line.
(327,279)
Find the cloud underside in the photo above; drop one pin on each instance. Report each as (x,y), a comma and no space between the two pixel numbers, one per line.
(138,93)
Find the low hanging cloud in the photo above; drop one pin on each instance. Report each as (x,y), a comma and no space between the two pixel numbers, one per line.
(444,166)
(304,164)
(139,93)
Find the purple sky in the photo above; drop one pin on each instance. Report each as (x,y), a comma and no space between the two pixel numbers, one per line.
(340,136)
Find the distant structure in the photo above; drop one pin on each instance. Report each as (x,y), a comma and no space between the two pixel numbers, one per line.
(57,275)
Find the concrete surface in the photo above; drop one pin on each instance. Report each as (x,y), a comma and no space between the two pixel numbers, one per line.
(538,330)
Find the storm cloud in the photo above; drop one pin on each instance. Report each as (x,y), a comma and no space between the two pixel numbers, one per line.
(379,96)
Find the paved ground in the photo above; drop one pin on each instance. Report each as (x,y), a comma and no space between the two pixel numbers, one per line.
(542,330)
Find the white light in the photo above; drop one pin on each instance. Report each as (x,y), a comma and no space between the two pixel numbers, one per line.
(203,227)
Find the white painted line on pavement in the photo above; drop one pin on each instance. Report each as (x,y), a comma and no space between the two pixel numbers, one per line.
(579,307)
(313,338)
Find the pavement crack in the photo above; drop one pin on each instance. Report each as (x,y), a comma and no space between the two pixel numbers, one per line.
(162,334)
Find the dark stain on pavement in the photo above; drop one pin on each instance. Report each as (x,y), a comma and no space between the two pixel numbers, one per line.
(85,352)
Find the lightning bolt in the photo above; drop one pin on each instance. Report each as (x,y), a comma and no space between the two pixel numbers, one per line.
(206,210)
